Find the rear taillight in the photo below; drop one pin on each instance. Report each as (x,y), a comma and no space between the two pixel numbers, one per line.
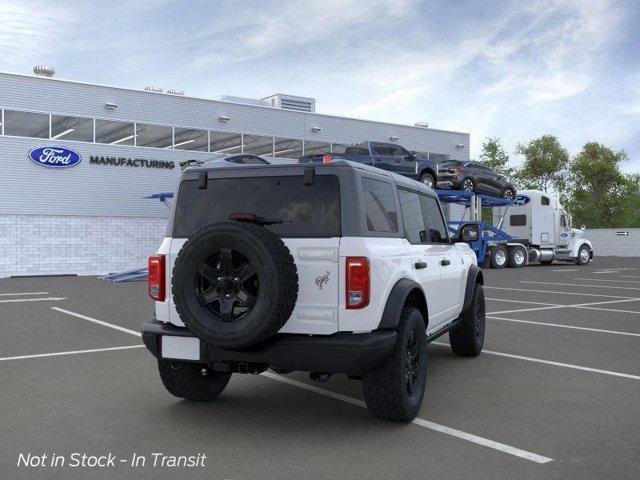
(357,279)
(156,278)
(326,158)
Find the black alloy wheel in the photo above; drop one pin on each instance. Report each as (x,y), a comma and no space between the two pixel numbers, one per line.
(227,284)
(412,362)
(467,185)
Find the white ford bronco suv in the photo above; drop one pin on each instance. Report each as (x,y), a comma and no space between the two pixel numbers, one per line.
(323,268)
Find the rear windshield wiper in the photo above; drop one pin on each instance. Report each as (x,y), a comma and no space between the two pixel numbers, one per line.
(253,218)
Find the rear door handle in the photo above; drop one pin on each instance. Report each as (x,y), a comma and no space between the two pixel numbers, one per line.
(445,261)
(419,265)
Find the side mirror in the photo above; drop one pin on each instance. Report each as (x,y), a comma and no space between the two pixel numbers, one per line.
(469,232)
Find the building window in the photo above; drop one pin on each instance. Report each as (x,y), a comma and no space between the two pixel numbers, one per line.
(312,147)
(157,136)
(380,206)
(287,148)
(26,124)
(114,133)
(258,145)
(225,143)
(71,128)
(190,139)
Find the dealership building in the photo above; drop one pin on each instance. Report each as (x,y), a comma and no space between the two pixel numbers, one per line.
(79,159)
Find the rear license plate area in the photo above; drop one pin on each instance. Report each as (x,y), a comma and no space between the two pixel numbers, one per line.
(180,348)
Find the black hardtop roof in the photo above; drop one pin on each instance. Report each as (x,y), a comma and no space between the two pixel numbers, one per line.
(288,169)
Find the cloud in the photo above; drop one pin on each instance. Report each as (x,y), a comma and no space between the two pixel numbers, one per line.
(291,24)
(29,27)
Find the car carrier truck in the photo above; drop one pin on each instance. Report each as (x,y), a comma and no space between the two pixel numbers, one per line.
(533,228)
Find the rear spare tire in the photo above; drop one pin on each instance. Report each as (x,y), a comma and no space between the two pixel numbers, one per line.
(234,284)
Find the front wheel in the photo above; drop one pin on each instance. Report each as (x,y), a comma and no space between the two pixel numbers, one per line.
(193,381)
(428,180)
(467,337)
(394,389)
(583,255)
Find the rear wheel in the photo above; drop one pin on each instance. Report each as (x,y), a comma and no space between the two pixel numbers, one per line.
(498,257)
(193,381)
(468,185)
(509,194)
(428,179)
(467,337)
(517,257)
(394,389)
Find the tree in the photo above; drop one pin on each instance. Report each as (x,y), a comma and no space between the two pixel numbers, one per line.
(545,164)
(495,156)
(600,194)
(631,217)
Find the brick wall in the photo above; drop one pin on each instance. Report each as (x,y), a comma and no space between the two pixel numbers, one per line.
(611,242)
(49,245)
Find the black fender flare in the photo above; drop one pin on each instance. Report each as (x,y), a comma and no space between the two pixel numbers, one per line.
(474,276)
(429,170)
(397,300)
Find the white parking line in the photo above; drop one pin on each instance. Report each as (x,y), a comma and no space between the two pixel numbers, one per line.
(610,310)
(528,290)
(528,309)
(606,280)
(72,352)
(555,364)
(47,299)
(559,325)
(485,442)
(521,301)
(581,285)
(23,293)
(575,305)
(567,270)
(629,276)
(99,322)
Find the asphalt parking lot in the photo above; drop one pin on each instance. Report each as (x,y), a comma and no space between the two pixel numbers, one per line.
(555,394)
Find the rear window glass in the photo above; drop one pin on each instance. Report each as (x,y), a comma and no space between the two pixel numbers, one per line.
(450,163)
(380,206)
(305,211)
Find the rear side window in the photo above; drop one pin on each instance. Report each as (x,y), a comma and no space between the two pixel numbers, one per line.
(380,206)
(412,217)
(437,229)
(356,151)
(381,150)
(517,220)
(305,210)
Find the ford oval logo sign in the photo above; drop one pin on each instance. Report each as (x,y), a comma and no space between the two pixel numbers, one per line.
(55,157)
(522,200)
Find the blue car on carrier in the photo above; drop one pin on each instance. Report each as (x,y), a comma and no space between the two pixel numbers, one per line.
(387,156)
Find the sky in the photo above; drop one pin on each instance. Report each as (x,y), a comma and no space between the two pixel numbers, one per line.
(513,70)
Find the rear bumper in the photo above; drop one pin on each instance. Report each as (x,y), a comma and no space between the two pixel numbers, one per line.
(340,353)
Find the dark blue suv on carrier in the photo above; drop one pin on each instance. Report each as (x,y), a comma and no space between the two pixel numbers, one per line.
(387,156)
